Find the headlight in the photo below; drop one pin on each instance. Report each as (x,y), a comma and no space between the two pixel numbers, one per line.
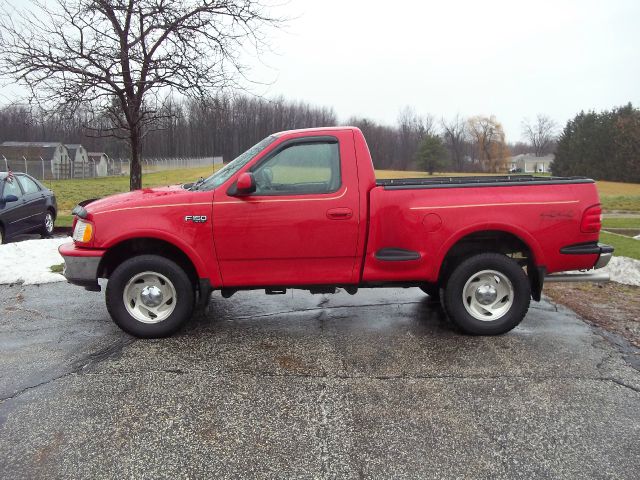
(83,232)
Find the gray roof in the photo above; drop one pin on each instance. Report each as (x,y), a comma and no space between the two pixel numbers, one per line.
(32,144)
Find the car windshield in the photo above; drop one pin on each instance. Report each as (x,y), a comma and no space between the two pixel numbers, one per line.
(226,172)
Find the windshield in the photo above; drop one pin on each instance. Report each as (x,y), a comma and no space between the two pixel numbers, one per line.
(226,172)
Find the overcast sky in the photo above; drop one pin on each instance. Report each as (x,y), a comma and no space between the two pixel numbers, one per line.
(512,59)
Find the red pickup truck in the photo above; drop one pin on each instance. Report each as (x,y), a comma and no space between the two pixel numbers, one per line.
(303,209)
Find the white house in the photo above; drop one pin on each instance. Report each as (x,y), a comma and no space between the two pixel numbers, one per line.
(529,163)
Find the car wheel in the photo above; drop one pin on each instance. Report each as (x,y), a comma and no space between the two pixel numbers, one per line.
(149,296)
(487,294)
(47,228)
(1,236)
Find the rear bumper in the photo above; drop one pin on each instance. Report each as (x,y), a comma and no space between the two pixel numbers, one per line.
(604,252)
(81,265)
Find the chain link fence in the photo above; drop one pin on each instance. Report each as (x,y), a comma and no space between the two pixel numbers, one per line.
(103,167)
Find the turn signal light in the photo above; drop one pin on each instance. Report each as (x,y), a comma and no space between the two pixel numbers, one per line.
(83,232)
(591,220)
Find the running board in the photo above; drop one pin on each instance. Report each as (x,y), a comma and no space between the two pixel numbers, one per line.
(577,277)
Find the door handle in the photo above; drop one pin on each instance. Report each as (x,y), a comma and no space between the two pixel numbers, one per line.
(339,213)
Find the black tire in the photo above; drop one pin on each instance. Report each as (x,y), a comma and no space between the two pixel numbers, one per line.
(519,293)
(182,310)
(48,224)
(2,239)
(431,289)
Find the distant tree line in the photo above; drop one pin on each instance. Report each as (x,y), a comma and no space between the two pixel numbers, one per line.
(601,145)
(227,125)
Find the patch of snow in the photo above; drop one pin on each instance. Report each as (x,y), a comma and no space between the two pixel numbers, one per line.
(637,237)
(623,270)
(29,261)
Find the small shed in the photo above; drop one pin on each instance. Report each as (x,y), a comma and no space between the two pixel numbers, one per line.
(79,159)
(99,161)
(30,156)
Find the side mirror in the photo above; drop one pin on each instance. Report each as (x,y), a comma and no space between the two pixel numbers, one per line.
(10,198)
(245,185)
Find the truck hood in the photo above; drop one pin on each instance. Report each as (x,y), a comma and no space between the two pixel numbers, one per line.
(140,198)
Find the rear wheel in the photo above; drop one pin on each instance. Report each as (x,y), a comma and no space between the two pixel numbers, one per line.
(150,296)
(487,294)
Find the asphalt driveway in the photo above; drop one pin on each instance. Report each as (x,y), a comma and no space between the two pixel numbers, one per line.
(299,386)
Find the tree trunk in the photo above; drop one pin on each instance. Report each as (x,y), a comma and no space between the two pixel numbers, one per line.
(135,175)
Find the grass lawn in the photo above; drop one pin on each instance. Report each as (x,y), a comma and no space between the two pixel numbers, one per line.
(620,196)
(70,192)
(625,246)
(621,222)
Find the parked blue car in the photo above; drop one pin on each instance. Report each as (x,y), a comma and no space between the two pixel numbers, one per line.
(26,206)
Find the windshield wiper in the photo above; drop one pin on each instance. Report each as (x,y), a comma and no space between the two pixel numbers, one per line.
(197,184)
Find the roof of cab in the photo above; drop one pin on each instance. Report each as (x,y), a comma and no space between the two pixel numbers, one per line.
(312,130)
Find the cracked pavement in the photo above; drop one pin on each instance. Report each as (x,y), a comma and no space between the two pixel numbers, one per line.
(377,385)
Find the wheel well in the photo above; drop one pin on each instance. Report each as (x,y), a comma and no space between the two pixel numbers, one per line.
(139,246)
(496,241)
(53,212)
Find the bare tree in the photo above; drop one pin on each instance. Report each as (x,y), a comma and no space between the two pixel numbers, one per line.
(489,139)
(541,134)
(120,59)
(455,136)
(412,128)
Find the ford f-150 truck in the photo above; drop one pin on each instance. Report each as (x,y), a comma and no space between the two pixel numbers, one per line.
(303,209)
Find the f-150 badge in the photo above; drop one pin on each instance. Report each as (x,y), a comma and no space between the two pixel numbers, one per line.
(196,218)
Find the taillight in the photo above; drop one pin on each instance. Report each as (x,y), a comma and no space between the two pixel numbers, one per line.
(591,220)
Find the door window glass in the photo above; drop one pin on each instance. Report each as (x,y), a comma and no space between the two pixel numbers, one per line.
(28,185)
(300,169)
(11,188)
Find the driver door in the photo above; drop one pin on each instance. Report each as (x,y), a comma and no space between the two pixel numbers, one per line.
(300,226)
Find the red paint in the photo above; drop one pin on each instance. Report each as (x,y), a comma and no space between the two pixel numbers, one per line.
(261,240)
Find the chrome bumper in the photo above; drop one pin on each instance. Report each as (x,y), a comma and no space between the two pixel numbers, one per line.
(577,277)
(604,252)
(603,260)
(82,271)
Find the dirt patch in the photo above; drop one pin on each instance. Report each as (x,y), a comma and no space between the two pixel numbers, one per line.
(612,306)
(290,363)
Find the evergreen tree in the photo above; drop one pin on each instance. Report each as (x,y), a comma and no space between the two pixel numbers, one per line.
(432,154)
(601,145)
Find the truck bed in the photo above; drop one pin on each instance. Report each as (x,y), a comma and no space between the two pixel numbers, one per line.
(476,181)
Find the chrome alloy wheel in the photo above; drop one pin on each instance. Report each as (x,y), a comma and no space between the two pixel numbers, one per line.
(488,295)
(150,297)
(48,223)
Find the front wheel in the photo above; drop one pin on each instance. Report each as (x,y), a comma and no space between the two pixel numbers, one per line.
(149,296)
(487,294)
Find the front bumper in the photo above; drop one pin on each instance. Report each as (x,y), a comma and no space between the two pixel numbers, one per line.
(81,265)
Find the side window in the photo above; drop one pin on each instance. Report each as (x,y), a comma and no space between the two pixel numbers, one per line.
(28,185)
(11,188)
(300,169)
